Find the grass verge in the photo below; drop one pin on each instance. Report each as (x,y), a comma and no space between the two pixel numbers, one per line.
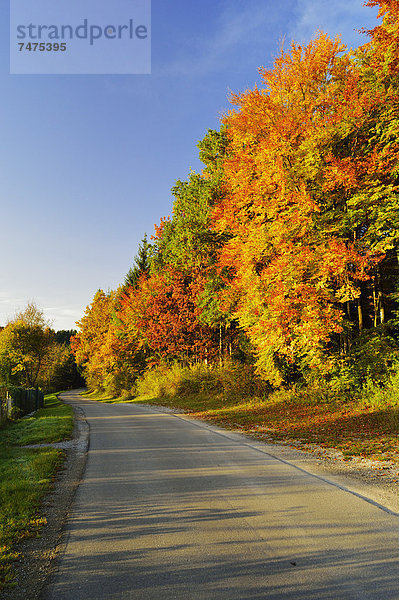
(26,474)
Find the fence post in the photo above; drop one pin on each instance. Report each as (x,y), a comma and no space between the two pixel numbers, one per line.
(9,404)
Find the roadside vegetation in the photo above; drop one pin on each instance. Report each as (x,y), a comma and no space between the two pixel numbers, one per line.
(33,354)
(231,395)
(26,474)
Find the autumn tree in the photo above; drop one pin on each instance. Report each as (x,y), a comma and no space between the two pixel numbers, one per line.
(29,352)
(187,241)
(161,314)
(289,235)
(293,254)
(88,345)
(109,359)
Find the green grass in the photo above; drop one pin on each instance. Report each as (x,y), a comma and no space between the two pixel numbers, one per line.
(27,474)
(53,423)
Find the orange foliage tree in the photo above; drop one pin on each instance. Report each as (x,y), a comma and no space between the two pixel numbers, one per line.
(163,313)
(295,164)
(109,359)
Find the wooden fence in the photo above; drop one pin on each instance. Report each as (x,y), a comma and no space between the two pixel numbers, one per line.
(5,404)
(17,402)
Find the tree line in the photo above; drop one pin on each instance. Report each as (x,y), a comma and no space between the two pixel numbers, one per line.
(283,252)
(33,354)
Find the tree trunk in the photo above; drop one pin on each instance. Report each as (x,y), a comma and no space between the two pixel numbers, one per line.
(220,345)
(381,301)
(381,306)
(378,298)
(360,313)
(375,306)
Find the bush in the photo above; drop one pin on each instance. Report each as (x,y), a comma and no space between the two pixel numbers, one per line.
(374,355)
(382,395)
(230,377)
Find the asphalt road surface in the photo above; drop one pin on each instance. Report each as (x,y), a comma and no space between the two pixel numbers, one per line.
(170,508)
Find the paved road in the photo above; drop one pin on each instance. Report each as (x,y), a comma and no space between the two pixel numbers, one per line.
(172,509)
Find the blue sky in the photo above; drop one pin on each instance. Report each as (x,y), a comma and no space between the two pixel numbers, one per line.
(87,161)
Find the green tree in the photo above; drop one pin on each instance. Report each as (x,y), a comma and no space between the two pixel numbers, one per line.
(31,353)
(189,243)
(141,264)
(25,345)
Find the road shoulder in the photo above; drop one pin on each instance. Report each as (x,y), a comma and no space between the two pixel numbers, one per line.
(373,480)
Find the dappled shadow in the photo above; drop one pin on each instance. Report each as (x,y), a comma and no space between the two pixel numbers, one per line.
(364,433)
(222,570)
(325,424)
(115,580)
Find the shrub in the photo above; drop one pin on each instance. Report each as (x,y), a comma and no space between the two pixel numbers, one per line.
(382,395)
(374,354)
(230,377)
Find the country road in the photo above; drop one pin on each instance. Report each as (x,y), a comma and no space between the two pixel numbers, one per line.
(170,508)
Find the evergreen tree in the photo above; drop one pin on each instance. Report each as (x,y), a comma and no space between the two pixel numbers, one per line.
(141,264)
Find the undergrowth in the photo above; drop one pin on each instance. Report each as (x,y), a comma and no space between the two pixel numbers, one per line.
(230,378)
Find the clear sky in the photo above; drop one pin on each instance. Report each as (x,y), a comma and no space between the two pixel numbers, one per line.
(87,161)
